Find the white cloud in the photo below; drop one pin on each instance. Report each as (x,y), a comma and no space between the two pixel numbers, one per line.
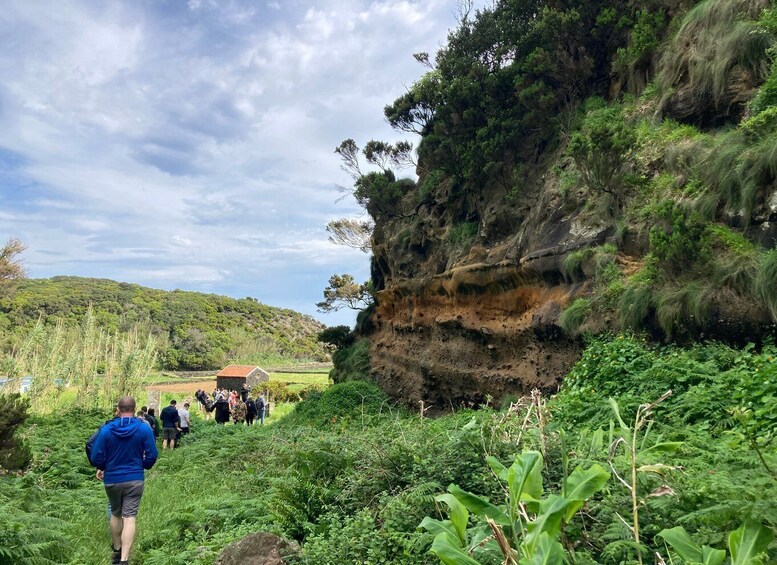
(191,145)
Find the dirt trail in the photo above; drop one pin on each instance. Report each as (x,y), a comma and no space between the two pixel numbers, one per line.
(187,387)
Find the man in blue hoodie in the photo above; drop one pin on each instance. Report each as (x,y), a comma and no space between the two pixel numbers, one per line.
(123,449)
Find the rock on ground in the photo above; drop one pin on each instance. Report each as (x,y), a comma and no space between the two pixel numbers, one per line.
(257,549)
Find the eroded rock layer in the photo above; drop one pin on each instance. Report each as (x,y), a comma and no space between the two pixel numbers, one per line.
(470,335)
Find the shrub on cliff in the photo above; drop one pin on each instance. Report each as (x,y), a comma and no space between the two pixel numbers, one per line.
(351,362)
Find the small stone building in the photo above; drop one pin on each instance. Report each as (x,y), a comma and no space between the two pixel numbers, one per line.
(232,377)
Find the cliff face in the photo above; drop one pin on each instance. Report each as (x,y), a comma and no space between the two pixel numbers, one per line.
(592,177)
(457,324)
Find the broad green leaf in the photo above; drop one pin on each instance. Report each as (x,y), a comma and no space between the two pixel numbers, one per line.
(548,520)
(682,543)
(711,556)
(497,467)
(437,527)
(524,477)
(617,412)
(458,514)
(482,543)
(480,506)
(582,484)
(597,441)
(747,542)
(445,548)
(663,447)
(473,423)
(547,551)
(657,468)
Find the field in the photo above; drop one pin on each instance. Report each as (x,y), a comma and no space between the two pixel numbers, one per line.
(294,381)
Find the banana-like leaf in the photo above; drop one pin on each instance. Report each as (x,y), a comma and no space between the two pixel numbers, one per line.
(473,423)
(446,549)
(682,543)
(747,542)
(657,468)
(458,514)
(547,551)
(711,556)
(617,412)
(437,527)
(480,506)
(497,467)
(662,447)
(548,521)
(524,477)
(582,484)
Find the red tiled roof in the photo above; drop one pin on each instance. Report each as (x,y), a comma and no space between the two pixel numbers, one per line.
(236,371)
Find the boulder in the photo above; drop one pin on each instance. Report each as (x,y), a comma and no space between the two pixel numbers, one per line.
(260,548)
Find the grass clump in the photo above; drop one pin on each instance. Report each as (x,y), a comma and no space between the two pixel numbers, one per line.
(573,317)
(719,43)
(347,400)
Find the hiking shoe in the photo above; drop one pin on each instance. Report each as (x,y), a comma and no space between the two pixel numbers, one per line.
(123,562)
(116,557)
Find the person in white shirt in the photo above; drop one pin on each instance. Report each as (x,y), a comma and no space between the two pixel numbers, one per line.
(183,413)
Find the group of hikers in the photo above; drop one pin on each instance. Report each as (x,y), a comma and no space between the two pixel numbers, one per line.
(125,446)
(229,404)
(172,423)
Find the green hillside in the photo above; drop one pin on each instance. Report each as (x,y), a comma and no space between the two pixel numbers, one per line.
(196,330)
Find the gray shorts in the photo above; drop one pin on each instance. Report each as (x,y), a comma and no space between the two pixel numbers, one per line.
(169,433)
(125,498)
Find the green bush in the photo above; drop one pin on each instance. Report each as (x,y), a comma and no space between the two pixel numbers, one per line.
(351,362)
(14,451)
(574,315)
(347,400)
(600,150)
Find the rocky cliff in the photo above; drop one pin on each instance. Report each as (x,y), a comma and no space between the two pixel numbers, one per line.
(640,195)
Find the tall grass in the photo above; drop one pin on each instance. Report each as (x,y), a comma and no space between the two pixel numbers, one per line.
(717,43)
(86,366)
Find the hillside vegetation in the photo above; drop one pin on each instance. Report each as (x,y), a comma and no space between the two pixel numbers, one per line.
(352,477)
(584,167)
(194,330)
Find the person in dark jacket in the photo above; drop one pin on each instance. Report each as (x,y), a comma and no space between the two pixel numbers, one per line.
(222,410)
(250,412)
(171,425)
(244,390)
(123,449)
(151,419)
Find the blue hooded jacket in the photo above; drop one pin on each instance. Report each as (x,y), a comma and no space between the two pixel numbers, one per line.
(123,448)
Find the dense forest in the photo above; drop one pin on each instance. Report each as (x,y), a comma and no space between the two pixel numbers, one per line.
(194,330)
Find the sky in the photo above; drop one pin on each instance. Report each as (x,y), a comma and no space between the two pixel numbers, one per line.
(190,144)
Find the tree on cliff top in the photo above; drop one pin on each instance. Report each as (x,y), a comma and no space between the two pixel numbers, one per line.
(379,192)
(11,267)
(351,233)
(344,292)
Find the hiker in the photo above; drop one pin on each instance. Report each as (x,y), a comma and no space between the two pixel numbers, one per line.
(171,424)
(123,449)
(244,390)
(143,415)
(183,414)
(261,408)
(222,410)
(151,418)
(250,411)
(239,413)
